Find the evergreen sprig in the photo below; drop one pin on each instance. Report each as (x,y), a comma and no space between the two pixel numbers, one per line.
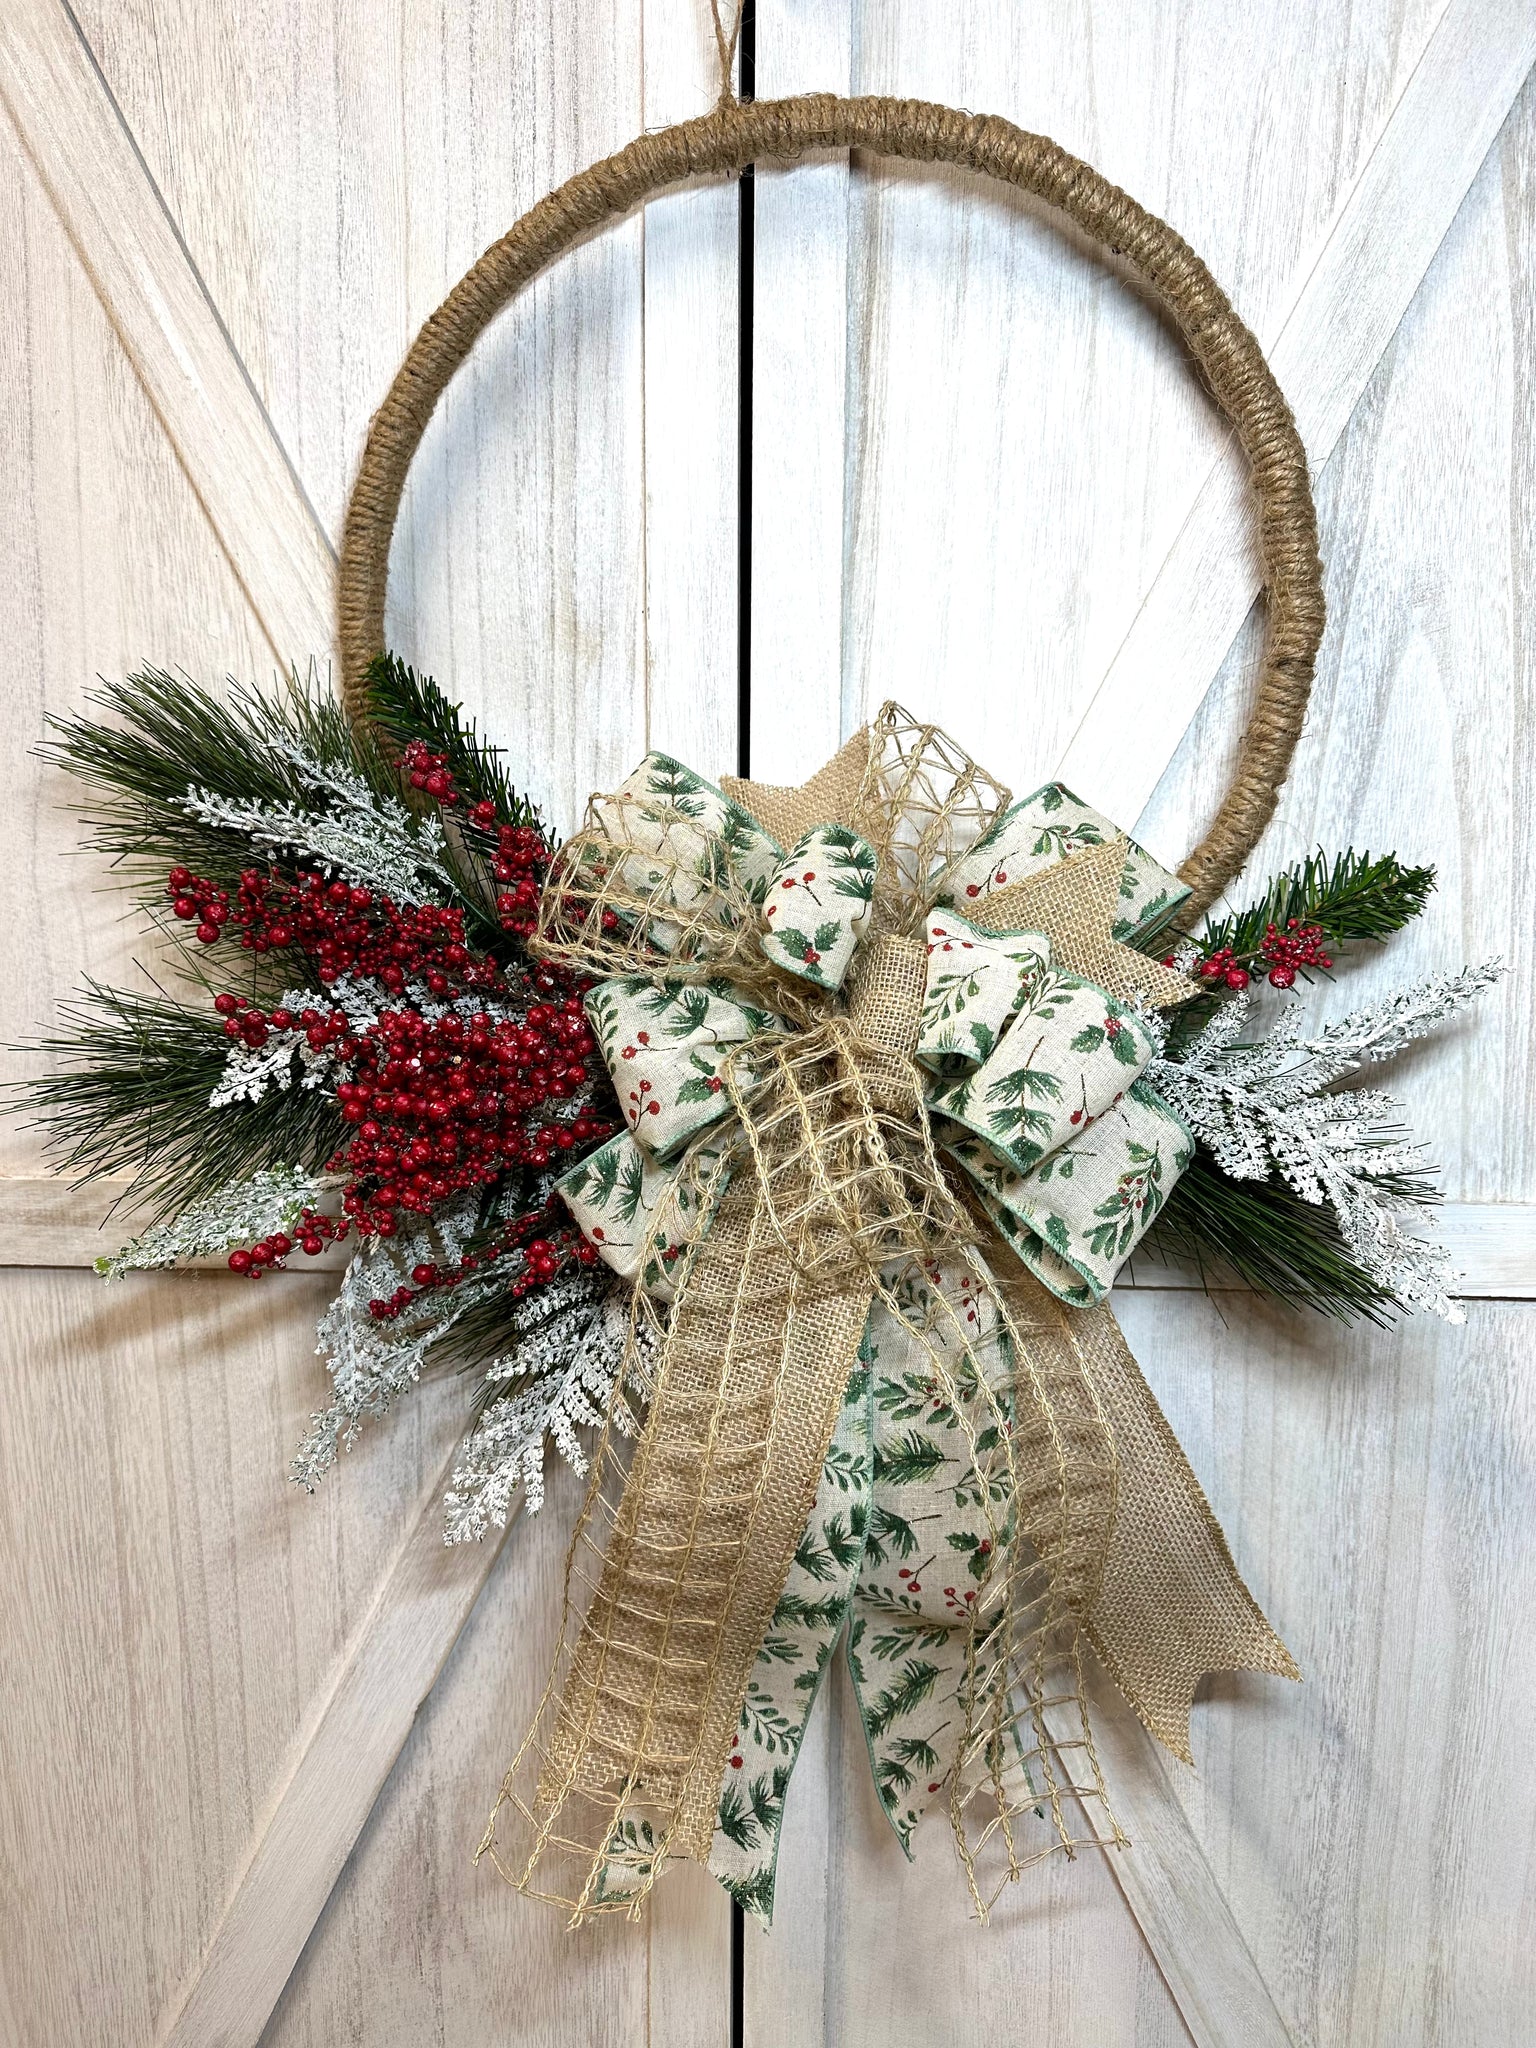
(1356,898)
(131,1095)
(1261,1233)
(168,735)
(405,706)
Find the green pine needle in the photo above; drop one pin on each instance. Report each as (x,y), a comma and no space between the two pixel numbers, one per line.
(1355,897)
(1263,1234)
(132,1095)
(167,734)
(406,706)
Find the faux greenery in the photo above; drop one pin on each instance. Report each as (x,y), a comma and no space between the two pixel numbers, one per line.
(1262,1234)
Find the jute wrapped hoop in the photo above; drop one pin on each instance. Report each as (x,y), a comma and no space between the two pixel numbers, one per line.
(721,144)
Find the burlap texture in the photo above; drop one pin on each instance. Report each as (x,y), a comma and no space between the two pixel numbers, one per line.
(838,1196)
(1075,902)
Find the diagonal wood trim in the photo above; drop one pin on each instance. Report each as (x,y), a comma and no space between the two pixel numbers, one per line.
(1345,311)
(1172,1891)
(72,130)
(336,1773)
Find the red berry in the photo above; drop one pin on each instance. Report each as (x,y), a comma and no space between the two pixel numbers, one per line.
(240,1262)
(1282,976)
(1236,977)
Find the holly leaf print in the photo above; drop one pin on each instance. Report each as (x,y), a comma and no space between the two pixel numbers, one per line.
(977,1551)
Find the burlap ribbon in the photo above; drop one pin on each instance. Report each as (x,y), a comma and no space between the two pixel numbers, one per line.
(808,1171)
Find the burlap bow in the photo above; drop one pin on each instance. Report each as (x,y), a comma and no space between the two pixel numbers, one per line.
(878,1041)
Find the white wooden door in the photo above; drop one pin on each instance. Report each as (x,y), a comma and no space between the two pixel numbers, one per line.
(247,1738)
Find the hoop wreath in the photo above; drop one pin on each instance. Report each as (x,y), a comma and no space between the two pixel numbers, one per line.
(791,1138)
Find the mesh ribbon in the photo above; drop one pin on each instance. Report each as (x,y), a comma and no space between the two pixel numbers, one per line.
(830,1198)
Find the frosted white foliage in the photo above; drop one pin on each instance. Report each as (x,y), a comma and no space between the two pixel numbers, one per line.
(237,1214)
(562,1376)
(285,1058)
(347,830)
(370,1359)
(1263,1106)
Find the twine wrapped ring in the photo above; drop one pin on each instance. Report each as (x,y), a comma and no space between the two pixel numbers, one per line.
(723,143)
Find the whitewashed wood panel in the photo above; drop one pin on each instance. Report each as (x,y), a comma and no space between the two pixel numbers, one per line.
(1027,434)
(1015,453)
(331,171)
(170,1612)
(567,560)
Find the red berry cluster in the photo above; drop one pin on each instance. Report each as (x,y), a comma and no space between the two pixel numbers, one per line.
(324,1030)
(193,899)
(522,859)
(428,772)
(315,1230)
(1280,954)
(441,1105)
(1299,945)
(546,1240)
(347,930)
(1222,965)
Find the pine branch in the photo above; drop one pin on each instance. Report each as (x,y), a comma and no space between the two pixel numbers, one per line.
(1263,1234)
(1356,898)
(184,777)
(170,735)
(133,1095)
(406,706)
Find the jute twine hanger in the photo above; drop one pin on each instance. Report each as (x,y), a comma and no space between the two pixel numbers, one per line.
(720,144)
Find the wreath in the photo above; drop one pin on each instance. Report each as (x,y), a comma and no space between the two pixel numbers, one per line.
(789,1140)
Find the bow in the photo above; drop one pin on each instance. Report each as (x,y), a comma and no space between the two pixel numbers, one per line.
(879,1044)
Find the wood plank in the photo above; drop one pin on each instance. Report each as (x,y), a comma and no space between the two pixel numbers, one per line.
(1370,1826)
(1350,301)
(463,530)
(338,1769)
(926,608)
(171,331)
(1170,1889)
(47,1222)
(800,401)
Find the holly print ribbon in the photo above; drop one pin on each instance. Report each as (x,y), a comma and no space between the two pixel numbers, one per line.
(1032,1070)
(845,1022)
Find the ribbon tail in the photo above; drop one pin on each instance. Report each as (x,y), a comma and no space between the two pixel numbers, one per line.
(793,1661)
(1171,1604)
(630,1746)
(926,1556)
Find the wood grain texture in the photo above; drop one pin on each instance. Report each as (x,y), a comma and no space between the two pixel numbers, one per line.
(46,1222)
(168,326)
(970,432)
(316,171)
(1351,298)
(178,1620)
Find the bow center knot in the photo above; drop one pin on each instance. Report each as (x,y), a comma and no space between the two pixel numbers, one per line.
(886,987)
